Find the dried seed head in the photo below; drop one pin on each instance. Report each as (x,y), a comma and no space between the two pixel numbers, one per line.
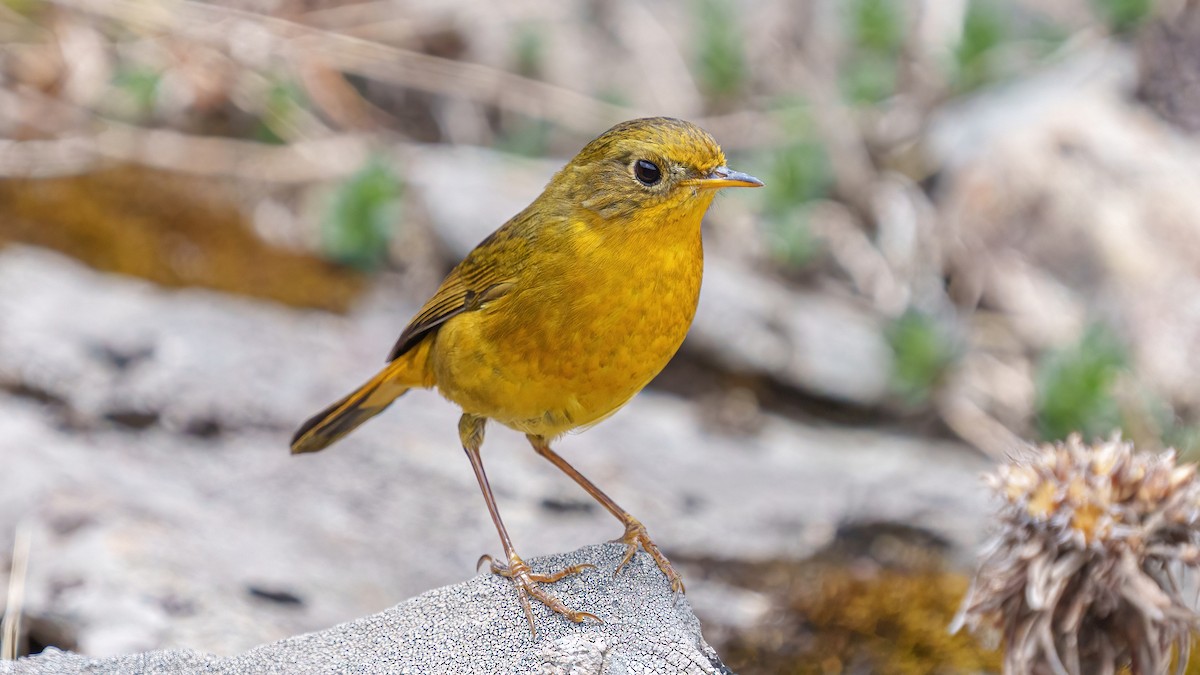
(1083,573)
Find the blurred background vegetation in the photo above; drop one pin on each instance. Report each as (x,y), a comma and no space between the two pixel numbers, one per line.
(1030,265)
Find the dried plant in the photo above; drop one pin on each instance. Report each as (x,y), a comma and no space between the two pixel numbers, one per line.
(1085,572)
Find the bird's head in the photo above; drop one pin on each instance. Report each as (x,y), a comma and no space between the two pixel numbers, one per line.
(649,170)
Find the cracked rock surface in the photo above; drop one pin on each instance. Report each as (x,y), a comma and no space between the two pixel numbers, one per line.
(472,627)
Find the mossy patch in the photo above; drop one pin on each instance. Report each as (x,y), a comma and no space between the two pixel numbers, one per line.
(880,599)
(172,229)
(842,619)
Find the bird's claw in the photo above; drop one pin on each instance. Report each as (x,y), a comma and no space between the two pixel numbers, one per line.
(527,582)
(635,535)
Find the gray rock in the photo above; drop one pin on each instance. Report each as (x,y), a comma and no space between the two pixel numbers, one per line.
(473,627)
(963,131)
(1068,202)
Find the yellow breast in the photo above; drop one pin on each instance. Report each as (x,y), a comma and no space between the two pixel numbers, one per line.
(580,333)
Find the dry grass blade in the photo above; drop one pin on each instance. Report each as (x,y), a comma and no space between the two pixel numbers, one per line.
(974,425)
(219,27)
(307,47)
(10,627)
(319,159)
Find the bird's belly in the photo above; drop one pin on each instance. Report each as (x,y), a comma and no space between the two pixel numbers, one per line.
(546,366)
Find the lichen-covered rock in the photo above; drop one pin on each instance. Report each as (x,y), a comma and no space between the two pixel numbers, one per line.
(473,627)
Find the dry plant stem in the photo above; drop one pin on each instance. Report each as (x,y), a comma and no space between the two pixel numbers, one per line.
(338,99)
(852,168)
(348,17)
(301,162)
(214,25)
(470,431)
(317,160)
(10,628)
(975,426)
(815,75)
(635,532)
(849,245)
(670,83)
(320,159)
(934,30)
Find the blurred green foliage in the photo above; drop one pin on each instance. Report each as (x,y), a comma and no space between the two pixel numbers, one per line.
(720,61)
(24,8)
(998,42)
(529,49)
(984,28)
(799,172)
(525,136)
(1123,15)
(358,224)
(615,96)
(868,79)
(1186,439)
(1075,387)
(1177,431)
(877,25)
(922,350)
(140,85)
(876,30)
(790,240)
(284,98)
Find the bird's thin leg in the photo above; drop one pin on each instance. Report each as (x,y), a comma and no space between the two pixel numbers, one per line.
(635,532)
(470,430)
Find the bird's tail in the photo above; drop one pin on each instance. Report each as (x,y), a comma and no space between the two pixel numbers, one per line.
(329,425)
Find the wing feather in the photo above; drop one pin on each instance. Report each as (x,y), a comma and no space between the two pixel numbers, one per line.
(488,271)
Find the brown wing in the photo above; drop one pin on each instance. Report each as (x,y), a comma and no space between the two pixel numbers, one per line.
(485,274)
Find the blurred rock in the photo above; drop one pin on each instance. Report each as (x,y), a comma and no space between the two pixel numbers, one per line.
(747,321)
(963,130)
(819,342)
(473,627)
(198,529)
(1066,202)
(1168,67)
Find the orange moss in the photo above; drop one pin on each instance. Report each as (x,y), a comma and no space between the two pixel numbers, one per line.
(835,619)
(172,229)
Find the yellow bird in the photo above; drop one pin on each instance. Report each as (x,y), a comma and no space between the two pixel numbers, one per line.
(559,317)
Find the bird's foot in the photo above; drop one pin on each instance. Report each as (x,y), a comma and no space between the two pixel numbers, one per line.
(527,582)
(635,535)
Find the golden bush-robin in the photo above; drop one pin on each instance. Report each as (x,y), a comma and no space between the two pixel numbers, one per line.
(560,316)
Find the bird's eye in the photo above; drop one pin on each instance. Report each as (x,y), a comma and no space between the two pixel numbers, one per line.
(647,172)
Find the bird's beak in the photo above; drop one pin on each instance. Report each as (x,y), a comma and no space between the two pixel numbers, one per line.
(723,177)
